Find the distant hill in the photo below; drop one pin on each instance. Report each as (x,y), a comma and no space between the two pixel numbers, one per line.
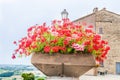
(7,74)
(7,70)
(16,67)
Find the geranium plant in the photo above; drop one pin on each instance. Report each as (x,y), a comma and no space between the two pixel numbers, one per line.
(62,37)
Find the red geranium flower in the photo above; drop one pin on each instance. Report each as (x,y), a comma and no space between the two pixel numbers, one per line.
(62,37)
(55,49)
(47,49)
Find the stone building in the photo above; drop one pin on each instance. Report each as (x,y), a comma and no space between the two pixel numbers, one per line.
(107,24)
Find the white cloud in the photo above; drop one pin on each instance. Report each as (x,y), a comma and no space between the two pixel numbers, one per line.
(1,18)
(2,2)
(7,1)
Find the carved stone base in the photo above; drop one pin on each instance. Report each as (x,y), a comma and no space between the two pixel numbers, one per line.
(70,65)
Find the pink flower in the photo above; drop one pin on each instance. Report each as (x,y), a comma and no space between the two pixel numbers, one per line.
(14,42)
(13,56)
(68,38)
(54,33)
(75,36)
(78,47)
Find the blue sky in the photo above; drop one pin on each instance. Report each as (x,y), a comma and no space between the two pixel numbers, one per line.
(17,15)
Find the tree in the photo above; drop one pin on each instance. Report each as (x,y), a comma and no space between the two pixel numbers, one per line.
(28,76)
(41,78)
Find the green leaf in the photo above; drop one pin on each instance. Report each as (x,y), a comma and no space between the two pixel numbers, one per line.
(94,52)
(69,50)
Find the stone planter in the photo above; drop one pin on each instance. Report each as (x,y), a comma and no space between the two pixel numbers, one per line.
(70,65)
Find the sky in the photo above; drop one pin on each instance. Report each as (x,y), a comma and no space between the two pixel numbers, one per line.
(16,16)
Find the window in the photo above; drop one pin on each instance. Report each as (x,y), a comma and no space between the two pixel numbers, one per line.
(117,67)
(100,30)
(102,64)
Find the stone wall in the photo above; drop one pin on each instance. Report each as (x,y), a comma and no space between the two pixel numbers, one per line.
(90,19)
(110,24)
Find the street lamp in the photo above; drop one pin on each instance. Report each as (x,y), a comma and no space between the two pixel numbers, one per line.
(64,14)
